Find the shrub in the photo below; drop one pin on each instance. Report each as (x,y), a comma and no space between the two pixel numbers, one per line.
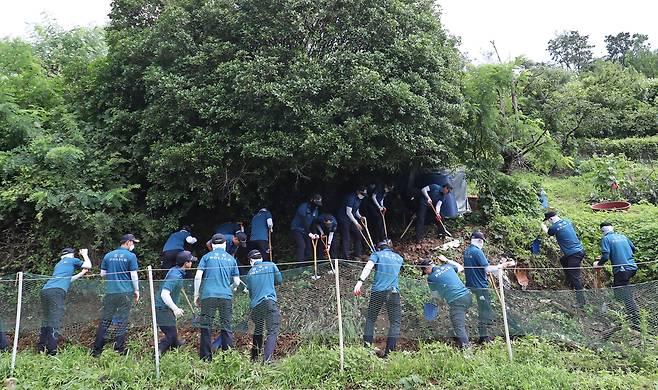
(501,194)
(616,178)
(644,149)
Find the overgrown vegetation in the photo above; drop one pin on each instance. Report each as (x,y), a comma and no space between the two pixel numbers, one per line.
(537,365)
(190,108)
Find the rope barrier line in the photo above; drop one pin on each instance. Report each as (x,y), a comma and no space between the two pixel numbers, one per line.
(310,262)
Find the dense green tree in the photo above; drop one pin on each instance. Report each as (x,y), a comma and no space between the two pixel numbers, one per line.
(501,134)
(223,100)
(57,188)
(571,50)
(619,46)
(606,101)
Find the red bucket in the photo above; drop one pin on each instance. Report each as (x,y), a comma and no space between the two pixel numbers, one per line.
(611,206)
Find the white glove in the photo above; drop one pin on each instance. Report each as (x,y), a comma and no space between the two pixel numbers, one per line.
(596,264)
(84,252)
(508,264)
(191,240)
(357,288)
(544,228)
(178,312)
(460,268)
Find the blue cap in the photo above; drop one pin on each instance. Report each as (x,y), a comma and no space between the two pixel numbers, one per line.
(129,237)
(478,234)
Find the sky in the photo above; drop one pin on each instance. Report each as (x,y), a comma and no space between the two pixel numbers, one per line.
(518,27)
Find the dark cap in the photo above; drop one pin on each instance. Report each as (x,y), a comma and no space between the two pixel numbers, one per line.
(129,237)
(66,251)
(242,238)
(384,244)
(605,223)
(218,239)
(424,263)
(316,199)
(448,186)
(186,228)
(184,256)
(478,234)
(328,218)
(549,215)
(255,254)
(361,188)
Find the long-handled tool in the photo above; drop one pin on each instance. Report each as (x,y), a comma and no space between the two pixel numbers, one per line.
(196,320)
(364,223)
(314,243)
(598,278)
(439,220)
(383,213)
(269,241)
(372,248)
(493,284)
(413,217)
(327,247)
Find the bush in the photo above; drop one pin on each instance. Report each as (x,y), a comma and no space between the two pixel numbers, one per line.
(644,149)
(617,178)
(503,195)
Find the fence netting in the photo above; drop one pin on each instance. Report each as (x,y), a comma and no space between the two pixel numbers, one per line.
(308,312)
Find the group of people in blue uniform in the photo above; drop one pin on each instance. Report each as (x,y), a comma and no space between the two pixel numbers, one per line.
(218,274)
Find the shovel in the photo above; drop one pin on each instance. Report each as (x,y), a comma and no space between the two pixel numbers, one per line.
(439,220)
(314,243)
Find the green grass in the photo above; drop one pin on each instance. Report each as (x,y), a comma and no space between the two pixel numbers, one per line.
(570,197)
(537,365)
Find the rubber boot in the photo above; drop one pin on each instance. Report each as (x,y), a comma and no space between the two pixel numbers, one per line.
(367,341)
(257,343)
(227,340)
(43,339)
(270,343)
(390,345)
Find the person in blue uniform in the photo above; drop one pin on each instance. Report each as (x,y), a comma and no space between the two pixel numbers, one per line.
(374,206)
(216,278)
(166,302)
(53,296)
(262,226)
(261,281)
(326,226)
(444,283)
(572,249)
(430,195)
(349,223)
(175,244)
(229,228)
(476,267)
(306,214)
(385,292)
(620,251)
(119,268)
